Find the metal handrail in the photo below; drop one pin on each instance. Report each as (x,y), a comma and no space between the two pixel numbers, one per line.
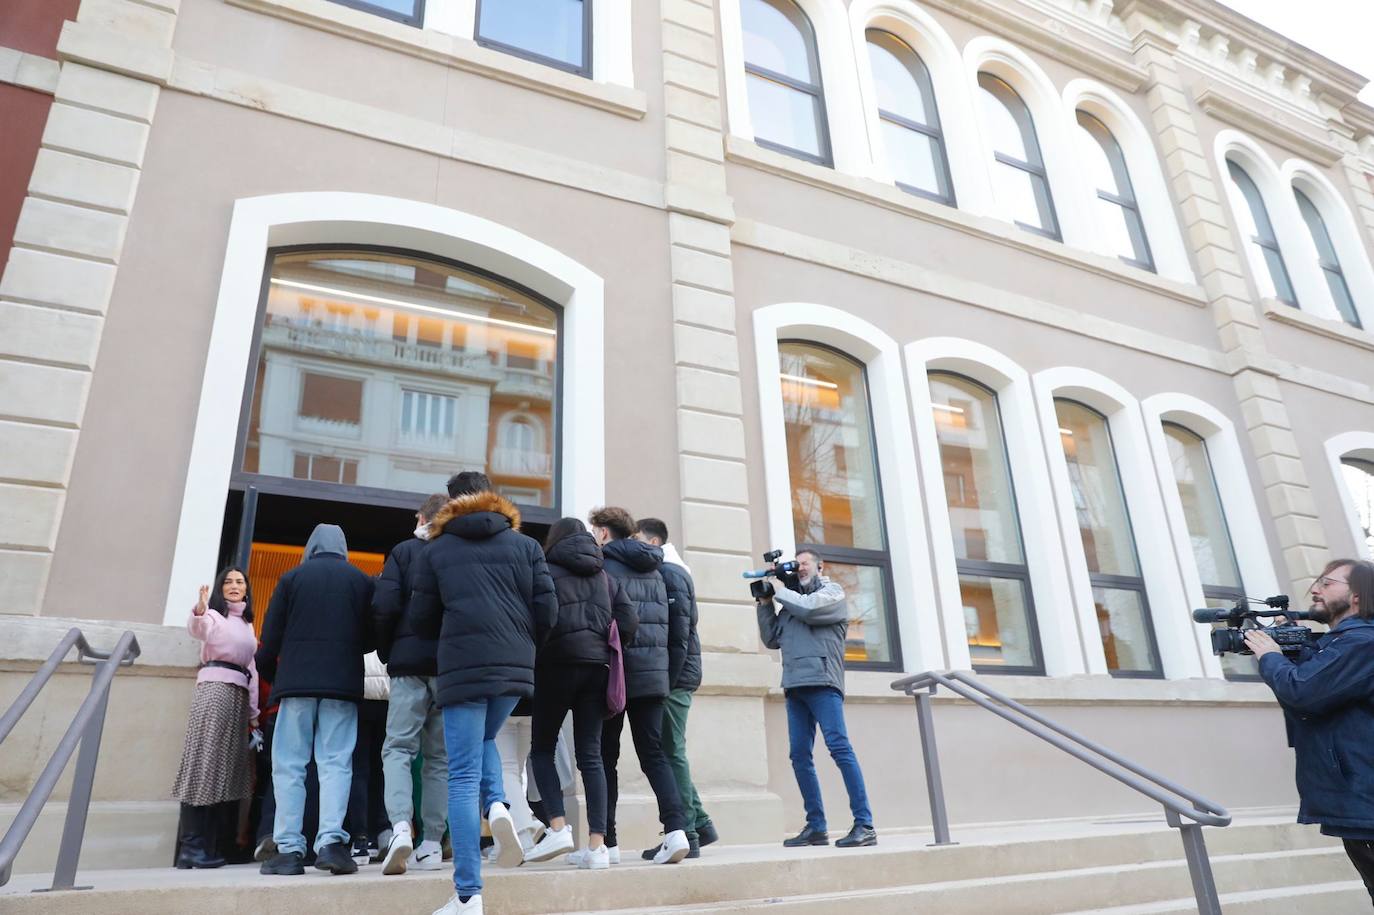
(86,728)
(1197,809)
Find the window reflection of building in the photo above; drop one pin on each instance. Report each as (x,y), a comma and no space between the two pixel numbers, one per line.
(1359,481)
(392,372)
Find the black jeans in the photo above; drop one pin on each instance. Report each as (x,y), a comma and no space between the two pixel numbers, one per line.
(366,802)
(1361,854)
(646,727)
(580,689)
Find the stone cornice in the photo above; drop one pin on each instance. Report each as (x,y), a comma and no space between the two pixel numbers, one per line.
(1268,122)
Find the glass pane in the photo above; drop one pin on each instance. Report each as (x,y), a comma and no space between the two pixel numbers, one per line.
(998,622)
(1197,490)
(1121,230)
(1022,197)
(866,596)
(783,115)
(1359,480)
(1106,163)
(1340,294)
(777,36)
(916,160)
(1098,499)
(1326,251)
(1007,119)
(1125,632)
(982,511)
(403,7)
(1255,226)
(1233,665)
(900,79)
(1278,274)
(549,28)
(830,455)
(336,382)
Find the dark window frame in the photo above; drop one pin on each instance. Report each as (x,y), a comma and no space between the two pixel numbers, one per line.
(826,156)
(935,132)
(880,559)
(415,18)
(525,54)
(1130,203)
(1266,238)
(1036,170)
(1004,570)
(1332,268)
(242,480)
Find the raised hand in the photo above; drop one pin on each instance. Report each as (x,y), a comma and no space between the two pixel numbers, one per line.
(204,603)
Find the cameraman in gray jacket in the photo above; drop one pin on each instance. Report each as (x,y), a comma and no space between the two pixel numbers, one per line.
(810,629)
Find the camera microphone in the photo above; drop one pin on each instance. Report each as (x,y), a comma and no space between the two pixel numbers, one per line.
(1210,615)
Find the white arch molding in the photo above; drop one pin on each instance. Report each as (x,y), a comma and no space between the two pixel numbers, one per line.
(261,223)
(1359,445)
(1345,236)
(1174,632)
(1238,506)
(917,621)
(1060,641)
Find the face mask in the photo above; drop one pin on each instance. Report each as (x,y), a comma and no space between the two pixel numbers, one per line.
(422,531)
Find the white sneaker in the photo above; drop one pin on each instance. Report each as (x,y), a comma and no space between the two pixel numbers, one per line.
(428,856)
(555,842)
(595,859)
(453,907)
(509,853)
(397,850)
(577,857)
(673,849)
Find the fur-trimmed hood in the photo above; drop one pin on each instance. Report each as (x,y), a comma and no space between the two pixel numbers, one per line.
(475,516)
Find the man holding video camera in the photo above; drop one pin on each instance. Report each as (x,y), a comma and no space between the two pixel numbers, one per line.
(1327,696)
(810,629)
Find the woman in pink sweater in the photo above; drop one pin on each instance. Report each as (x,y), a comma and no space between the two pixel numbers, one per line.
(216,762)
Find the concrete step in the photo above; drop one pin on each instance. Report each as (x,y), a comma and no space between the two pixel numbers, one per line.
(1339,898)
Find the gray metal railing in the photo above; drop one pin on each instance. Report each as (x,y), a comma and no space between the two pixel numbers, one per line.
(1184,810)
(86,728)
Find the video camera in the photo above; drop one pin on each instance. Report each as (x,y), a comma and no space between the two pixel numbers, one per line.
(784,572)
(1291,637)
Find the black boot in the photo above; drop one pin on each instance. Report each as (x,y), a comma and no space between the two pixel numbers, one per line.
(197,850)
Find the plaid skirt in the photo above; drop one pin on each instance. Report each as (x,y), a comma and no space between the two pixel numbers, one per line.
(215,760)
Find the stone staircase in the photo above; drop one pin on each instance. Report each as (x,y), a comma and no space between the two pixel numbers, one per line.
(1263,864)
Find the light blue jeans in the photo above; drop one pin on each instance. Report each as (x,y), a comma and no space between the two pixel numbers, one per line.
(474,781)
(328,728)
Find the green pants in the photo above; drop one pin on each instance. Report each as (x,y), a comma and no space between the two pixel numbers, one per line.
(675,709)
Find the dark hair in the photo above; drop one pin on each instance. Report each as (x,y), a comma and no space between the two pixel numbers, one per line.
(808,550)
(217,601)
(563,527)
(467,481)
(1361,578)
(653,527)
(616,520)
(430,507)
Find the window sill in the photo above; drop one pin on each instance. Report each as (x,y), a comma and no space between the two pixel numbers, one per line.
(452,51)
(746,152)
(1327,327)
(1080,690)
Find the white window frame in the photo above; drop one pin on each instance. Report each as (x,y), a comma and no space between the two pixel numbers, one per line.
(1345,236)
(1360,446)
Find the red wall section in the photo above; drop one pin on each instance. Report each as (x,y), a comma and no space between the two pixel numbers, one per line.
(23,114)
(32,26)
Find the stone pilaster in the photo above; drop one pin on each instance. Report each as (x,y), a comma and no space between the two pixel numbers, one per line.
(57,284)
(1360,180)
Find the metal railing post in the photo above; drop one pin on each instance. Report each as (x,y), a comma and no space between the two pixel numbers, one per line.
(79,803)
(1199,865)
(939,817)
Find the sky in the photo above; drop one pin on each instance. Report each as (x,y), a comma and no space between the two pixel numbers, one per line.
(1341,30)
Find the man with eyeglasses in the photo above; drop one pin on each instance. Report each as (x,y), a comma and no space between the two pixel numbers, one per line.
(1328,703)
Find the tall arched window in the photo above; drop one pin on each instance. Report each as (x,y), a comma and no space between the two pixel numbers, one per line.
(1020,184)
(910,121)
(994,581)
(1118,213)
(1255,225)
(1123,612)
(1208,533)
(783,72)
(1327,259)
(837,505)
(1359,480)
(553,32)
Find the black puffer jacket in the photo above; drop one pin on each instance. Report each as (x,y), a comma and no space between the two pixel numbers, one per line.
(403,652)
(318,626)
(636,566)
(587,598)
(684,647)
(483,590)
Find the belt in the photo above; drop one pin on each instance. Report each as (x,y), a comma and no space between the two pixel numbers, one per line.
(227,666)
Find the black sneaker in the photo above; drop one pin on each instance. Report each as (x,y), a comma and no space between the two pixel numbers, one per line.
(807,836)
(336,859)
(284,864)
(693,846)
(860,835)
(706,833)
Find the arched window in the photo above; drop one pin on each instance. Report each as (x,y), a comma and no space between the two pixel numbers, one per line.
(1020,184)
(411,12)
(1118,213)
(1123,612)
(783,72)
(553,32)
(994,582)
(1255,226)
(1327,259)
(910,121)
(1208,533)
(837,506)
(1359,480)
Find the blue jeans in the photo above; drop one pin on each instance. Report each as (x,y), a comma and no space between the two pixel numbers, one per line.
(328,728)
(808,706)
(474,781)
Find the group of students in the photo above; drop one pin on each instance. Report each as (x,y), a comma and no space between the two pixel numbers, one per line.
(474,621)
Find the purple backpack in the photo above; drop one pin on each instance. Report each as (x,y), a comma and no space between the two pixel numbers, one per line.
(615,682)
